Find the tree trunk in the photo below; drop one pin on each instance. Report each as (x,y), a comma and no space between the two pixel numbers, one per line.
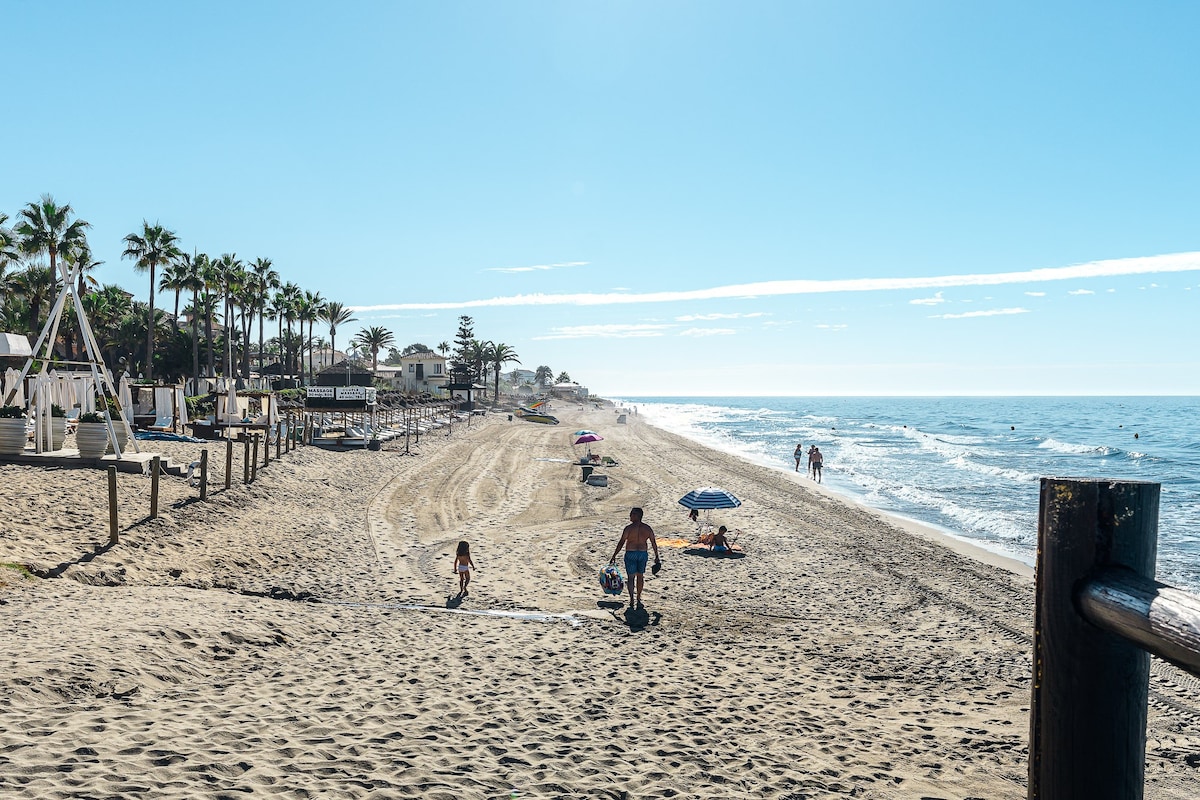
(150,331)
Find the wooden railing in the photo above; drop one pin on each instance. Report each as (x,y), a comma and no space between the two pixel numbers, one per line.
(1099,614)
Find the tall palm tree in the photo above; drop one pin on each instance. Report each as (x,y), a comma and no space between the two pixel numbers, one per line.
(374,339)
(47,226)
(543,375)
(37,284)
(171,280)
(314,309)
(336,314)
(291,306)
(79,256)
(191,279)
(477,356)
(500,354)
(231,273)
(10,251)
(443,348)
(153,247)
(266,280)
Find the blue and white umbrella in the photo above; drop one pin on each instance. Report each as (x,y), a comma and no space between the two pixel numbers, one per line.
(709,497)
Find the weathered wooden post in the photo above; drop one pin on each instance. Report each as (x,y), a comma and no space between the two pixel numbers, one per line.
(154,470)
(254,461)
(113,537)
(228,460)
(204,474)
(278,438)
(1087,719)
(267,447)
(245,458)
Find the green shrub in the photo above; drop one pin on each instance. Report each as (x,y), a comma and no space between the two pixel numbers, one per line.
(11,412)
(91,416)
(57,411)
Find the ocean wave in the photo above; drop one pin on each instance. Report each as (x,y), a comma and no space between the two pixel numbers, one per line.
(1076,449)
(1007,473)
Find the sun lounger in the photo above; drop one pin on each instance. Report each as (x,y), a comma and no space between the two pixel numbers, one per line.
(163,423)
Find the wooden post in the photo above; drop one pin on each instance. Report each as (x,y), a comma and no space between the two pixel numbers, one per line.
(245,458)
(267,446)
(254,461)
(113,537)
(1087,719)
(154,470)
(228,460)
(278,438)
(204,474)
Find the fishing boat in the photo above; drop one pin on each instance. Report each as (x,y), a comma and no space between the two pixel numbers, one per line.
(531,415)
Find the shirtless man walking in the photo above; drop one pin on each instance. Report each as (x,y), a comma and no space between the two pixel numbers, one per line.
(634,539)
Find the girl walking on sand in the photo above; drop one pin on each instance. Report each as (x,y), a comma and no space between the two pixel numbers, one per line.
(463,566)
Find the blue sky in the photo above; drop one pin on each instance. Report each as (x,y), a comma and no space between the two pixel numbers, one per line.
(661,198)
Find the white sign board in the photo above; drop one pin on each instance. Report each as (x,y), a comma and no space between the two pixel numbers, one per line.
(350,393)
(323,392)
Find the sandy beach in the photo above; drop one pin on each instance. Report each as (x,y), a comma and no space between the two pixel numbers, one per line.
(300,636)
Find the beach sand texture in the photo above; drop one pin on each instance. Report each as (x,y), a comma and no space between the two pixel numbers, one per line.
(300,637)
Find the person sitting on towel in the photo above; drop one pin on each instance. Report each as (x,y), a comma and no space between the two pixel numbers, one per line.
(719,543)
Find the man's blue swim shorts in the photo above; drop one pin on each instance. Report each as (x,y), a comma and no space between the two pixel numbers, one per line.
(635,562)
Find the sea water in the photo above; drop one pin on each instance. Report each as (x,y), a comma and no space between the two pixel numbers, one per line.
(969,466)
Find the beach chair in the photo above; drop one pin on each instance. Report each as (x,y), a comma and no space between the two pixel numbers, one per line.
(163,423)
(73,418)
(608,461)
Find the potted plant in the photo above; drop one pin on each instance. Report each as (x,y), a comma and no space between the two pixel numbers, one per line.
(91,435)
(12,430)
(58,426)
(114,413)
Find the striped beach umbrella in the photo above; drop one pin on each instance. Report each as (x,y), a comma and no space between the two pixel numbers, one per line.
(709,497)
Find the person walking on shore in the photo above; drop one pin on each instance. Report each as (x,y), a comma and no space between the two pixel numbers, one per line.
(815,460)
(463,566)
(635,538)
(799,454)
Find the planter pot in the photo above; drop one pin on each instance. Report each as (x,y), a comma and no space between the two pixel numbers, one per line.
(58,432)
(91,438)
(374,444)
(12,436)
(122,437)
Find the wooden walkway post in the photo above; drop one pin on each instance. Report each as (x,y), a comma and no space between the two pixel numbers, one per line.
(204,474)
(1087,719)
(267,447)
(154,470)
(254,461)
(245,459)
(228,461)
(113,537)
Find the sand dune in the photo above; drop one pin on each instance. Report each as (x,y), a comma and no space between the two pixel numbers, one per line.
(300,637)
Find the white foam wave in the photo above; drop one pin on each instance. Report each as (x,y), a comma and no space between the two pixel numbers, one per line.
(1075,449)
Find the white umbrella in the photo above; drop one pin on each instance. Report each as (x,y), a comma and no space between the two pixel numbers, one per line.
(231,404)
(12,379)
(125,397)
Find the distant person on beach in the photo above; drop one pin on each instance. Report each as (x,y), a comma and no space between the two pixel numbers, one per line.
(815,459)
(634,539)
(720,544)
(694,515)
(799,454)
(463,566)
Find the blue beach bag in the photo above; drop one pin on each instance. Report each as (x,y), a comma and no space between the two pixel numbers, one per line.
(611,580)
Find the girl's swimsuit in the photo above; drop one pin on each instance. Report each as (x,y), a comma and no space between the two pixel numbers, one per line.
(464,567)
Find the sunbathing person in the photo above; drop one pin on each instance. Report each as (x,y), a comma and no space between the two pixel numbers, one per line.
(720,544)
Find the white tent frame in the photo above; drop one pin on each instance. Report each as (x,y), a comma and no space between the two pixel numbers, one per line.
(100,375)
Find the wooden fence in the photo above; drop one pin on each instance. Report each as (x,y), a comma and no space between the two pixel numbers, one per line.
(1099,615)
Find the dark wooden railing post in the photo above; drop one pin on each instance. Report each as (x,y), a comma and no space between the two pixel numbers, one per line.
(113,531)
(1087,729)
(155,469)
(245,458)
(204,473)
(228,459)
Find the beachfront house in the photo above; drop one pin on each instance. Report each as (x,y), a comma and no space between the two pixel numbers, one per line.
(569,391)
(423,372)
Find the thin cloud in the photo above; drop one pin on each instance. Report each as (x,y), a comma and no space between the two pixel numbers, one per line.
(936,300)
(710,317)
(1175,262)
(1036,294)
(827,327)
(995,312)
(1080,291)
(605,332)
(538,267)
(708,332)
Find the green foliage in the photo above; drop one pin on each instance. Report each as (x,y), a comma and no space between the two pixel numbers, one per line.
(91,416)
(57,411)
(11,412)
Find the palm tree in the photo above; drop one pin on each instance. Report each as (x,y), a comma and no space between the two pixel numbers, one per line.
(313,309)
(543,375)
(289,303)
(10,251)
(171,280)
(500,354)
(191,279)
(47,226)
(374,339)
(231,273)
(79,256)
(37,284)
(477,356)
(563,377)
(154,246)
(443,348)
(266,280)
(336,314)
